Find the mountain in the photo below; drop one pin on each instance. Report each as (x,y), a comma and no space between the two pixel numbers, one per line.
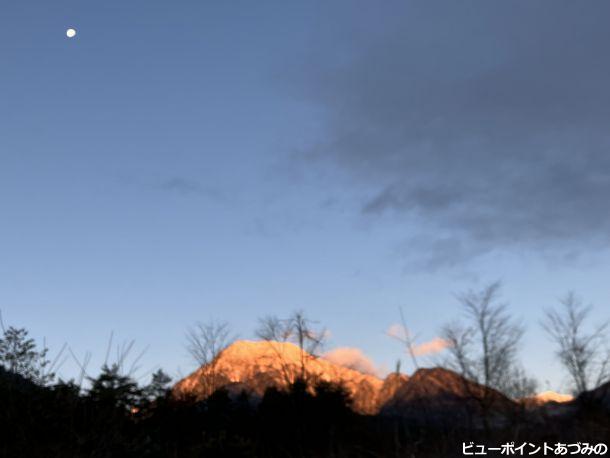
(391,385)
(548,396)
(254,366)
(599,396)
(438,395)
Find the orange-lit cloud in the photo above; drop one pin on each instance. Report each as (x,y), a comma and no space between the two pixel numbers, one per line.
(396,331)
(352,358)
(436,345)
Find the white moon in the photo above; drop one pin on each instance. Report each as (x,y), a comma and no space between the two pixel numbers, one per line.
(71,33)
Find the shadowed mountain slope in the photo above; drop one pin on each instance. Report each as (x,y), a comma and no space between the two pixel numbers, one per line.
(599,397)
(438,394)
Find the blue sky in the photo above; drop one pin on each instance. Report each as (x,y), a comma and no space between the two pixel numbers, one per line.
(181,161)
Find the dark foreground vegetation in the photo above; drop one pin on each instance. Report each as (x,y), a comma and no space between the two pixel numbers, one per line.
(116,418)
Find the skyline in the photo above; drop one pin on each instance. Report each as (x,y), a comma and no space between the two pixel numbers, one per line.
(169,165)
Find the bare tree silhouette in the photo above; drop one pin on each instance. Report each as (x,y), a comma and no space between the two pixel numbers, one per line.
(583,354)
(485,348)
(298,329)
(205,342)
(406,339)
(116,365)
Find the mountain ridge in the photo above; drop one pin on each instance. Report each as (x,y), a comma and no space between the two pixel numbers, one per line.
(254,366)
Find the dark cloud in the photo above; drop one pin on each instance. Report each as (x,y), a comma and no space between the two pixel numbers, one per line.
(186,186)
(181,185)
(481,125)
